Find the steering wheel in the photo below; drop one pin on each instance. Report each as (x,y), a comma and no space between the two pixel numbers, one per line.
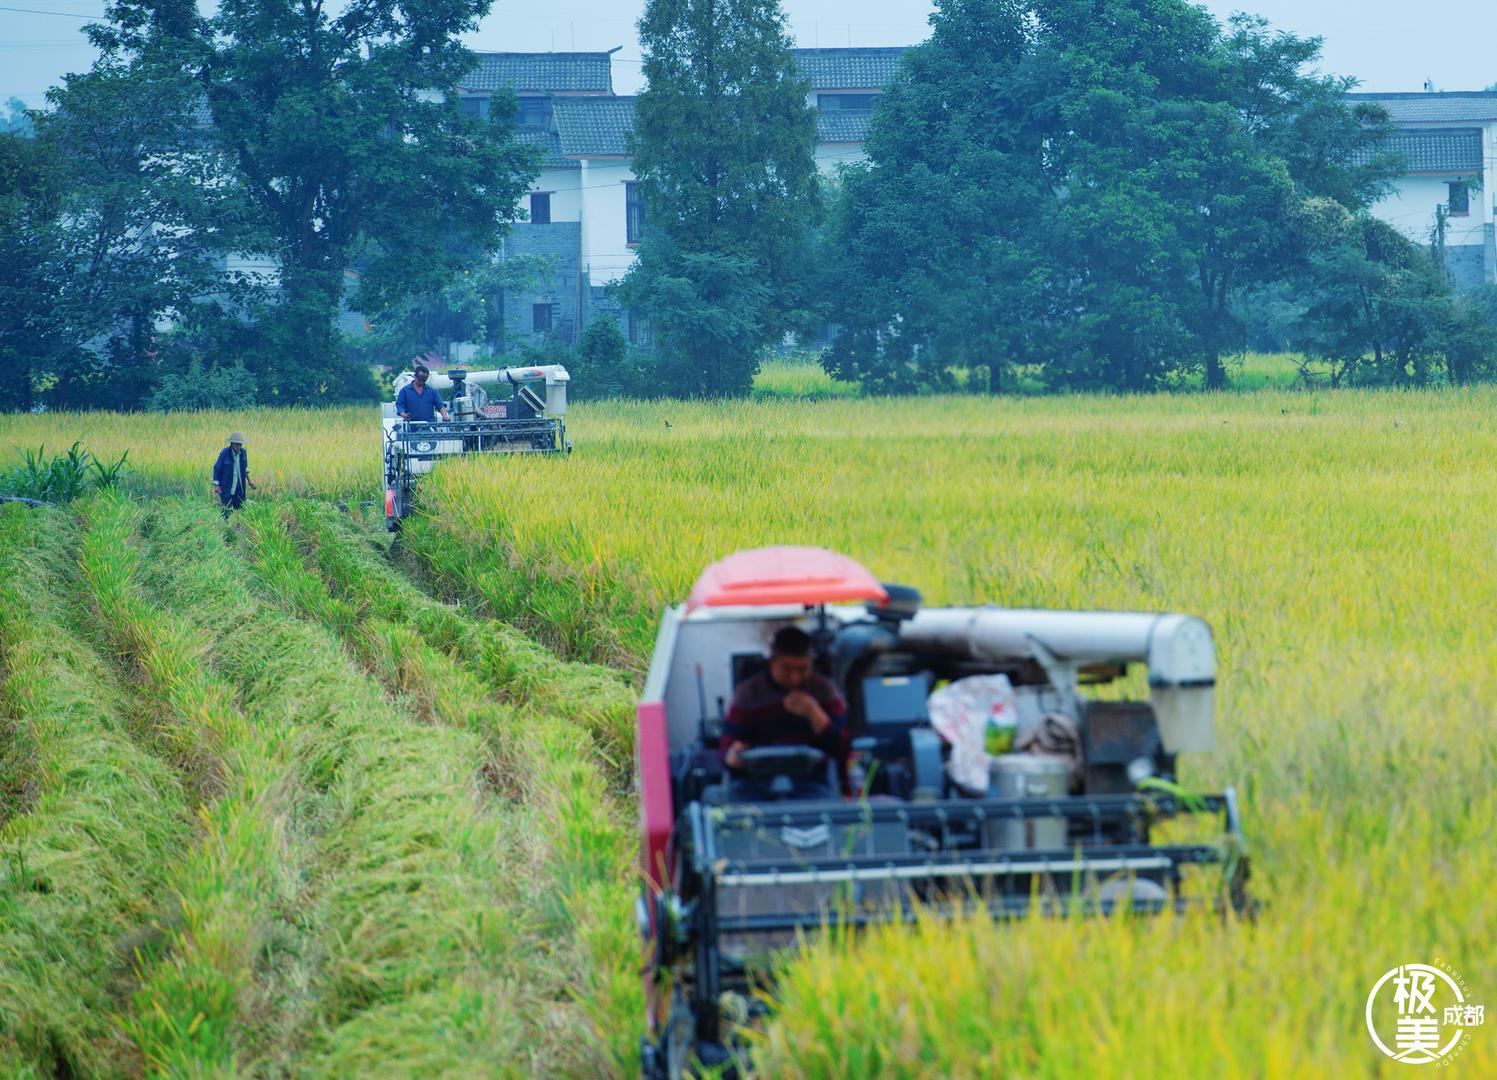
(795,762)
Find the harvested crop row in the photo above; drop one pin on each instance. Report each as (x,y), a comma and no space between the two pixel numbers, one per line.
(521,670)
(201,999)
(418,954)
(579,846)
(85,861)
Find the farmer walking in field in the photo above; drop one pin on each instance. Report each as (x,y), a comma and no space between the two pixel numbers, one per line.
(231,478)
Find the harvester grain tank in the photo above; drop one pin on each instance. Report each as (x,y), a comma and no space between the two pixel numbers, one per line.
(1063,820)
(532,420)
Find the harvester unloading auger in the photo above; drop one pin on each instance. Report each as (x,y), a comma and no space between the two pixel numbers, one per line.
(1065,828)
(525,423)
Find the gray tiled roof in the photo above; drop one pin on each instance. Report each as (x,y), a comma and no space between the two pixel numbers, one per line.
(1442,150)
(550,144)
(1450,107)
(842,126)
(544,72)
(848,69)
(594,126)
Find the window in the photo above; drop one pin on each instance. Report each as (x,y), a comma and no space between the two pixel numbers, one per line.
(846,102)
(541,318)
(540,208)
(1460,198)
(639,329)
(634,212)
(472,106)
(533,113)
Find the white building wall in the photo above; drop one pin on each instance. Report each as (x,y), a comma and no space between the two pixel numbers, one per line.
(830,155)
(566,196)
(606,253)
(1410,207)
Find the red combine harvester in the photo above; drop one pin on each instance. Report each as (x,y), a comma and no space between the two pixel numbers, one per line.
(928,820)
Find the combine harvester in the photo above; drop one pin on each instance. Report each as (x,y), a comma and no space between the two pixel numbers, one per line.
(525,423)
(727,883)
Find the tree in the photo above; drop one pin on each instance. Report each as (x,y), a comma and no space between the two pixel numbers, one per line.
(603,366)
(340,132)
(143,222)
(1380,308)
(1084,185)
(31,198)
(19,121)
(722,144)
(935,251)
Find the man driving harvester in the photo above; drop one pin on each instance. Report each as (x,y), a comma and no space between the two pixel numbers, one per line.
(419,401)
(787,704)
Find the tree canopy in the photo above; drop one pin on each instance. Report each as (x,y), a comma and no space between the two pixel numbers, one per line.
(1084,186)
(722,144)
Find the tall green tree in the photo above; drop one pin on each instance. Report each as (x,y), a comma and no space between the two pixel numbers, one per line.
(144,222)
(31,199)
(1094,182)
(722,144)
(935,254)
(340,133)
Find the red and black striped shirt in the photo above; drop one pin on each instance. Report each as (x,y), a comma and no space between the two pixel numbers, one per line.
(758,717)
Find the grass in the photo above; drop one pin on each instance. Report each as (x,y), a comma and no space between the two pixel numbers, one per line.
(90,825)
(549,749)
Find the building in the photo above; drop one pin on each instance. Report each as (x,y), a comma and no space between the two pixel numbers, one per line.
(584,213)
(1449,145)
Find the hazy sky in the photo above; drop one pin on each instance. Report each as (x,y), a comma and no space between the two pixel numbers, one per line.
(1387,44)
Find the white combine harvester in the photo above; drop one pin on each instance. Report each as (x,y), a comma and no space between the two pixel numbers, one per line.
(529,421)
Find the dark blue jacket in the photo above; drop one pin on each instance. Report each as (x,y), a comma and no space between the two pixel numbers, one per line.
(223,470)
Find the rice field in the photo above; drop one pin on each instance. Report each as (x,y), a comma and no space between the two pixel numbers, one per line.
(339,870)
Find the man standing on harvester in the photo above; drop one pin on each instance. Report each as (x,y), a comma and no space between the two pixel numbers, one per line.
(787,704)
(231,478)
(419,401)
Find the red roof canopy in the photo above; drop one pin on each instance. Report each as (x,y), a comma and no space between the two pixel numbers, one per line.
(784,575)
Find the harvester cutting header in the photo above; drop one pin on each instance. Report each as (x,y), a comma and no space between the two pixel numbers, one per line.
(531,420)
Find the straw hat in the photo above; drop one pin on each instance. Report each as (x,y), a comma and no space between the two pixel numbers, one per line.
(236,437)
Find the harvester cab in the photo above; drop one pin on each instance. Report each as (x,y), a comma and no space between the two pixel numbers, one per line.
(529,419)
(987,773)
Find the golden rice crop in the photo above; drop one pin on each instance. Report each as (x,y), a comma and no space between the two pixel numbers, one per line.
(1338,543)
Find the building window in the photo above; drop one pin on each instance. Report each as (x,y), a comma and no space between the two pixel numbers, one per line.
(540,208)
(634,212)
(846,102)
(472,106)
(533,113)
(639,329)
(1460,198)
(541,317)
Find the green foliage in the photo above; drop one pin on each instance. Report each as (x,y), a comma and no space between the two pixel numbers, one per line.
(62,477)
(19,121)
(224,386)
(1083,186)
(1380,310)
(335,136)
(722,144)
(605,366)
(144,218)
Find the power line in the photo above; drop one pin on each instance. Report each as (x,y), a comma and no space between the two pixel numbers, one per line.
(61,14)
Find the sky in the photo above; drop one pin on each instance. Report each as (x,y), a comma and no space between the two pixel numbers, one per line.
(1387,44)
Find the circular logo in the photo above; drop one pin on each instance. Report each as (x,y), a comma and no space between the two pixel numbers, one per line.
(1421,1013)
